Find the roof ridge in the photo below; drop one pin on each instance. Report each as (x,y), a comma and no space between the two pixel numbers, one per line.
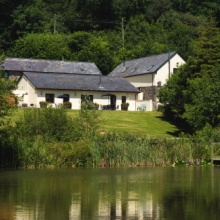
(149,56)
(34,59)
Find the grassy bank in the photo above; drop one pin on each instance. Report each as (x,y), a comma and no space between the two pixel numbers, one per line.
(64,138)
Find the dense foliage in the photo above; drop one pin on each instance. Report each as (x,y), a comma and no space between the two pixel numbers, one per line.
(42,135)
(92,30)
(192,93)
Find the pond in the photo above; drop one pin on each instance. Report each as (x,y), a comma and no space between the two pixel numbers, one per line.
(110,193)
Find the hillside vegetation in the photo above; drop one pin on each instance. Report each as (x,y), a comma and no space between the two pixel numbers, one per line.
(88,30)
(109,32)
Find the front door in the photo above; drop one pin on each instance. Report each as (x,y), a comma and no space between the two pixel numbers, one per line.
(113,102)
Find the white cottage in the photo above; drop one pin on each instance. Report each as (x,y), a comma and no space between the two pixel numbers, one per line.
(60,81)
(148,74)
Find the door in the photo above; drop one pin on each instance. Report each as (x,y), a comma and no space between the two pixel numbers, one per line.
(113,102)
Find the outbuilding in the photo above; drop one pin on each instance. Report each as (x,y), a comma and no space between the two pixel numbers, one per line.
(148,74)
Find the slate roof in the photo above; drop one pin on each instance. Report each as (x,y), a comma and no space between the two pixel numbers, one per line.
(78,82)
(141,66)
(49,66)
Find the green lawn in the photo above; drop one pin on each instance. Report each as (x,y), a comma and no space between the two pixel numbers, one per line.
(149,123)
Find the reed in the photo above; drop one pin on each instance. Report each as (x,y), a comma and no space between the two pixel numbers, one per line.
(32,153)
(117,149)
(48,137)
(110,150)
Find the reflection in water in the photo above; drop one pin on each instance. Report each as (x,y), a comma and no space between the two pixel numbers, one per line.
(122,193)
(75,207)
(25,212)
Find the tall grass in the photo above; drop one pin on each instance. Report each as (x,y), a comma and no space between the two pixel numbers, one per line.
(115,149)
(108,150)
(58,140)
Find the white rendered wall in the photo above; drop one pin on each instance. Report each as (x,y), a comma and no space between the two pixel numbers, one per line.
(141,80)
(33,96)
(22,91)
(162,74)
(75,98)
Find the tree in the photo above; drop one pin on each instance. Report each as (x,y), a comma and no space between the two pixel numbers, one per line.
(89,118)
(204,103)
(42,46)
(30,18)
(97,50)
(7,99)
(181,30)
(206,49)
(6,20)
(172,94)
(193,92)
(143,38)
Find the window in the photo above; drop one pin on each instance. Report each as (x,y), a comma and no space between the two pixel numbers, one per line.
(150,67)
(123,99)
(89,97)
(66,97)
(174,70)
(123,69)
(133,70)
(50,97)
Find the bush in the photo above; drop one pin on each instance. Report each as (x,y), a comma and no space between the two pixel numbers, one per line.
(89,119)
(96,105)
(160,108)
(44,103)
(49,123)
(67,103)
(124,106)
(76,154)
(83,155)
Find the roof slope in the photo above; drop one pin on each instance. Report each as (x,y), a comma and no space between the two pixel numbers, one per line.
(49,66)
(141,66)
(79,82)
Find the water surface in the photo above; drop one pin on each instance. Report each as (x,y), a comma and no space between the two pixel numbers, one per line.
(116,193)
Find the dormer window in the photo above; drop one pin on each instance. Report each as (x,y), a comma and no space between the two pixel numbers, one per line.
(133,70)
(123,70)
(150,67)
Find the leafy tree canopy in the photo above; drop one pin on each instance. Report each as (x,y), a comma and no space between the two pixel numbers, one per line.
(193,91)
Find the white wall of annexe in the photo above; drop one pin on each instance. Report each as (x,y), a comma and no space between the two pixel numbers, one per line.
(32,96)
(167,70)
(151,79)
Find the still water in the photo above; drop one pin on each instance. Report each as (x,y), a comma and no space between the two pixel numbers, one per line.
(120,193)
